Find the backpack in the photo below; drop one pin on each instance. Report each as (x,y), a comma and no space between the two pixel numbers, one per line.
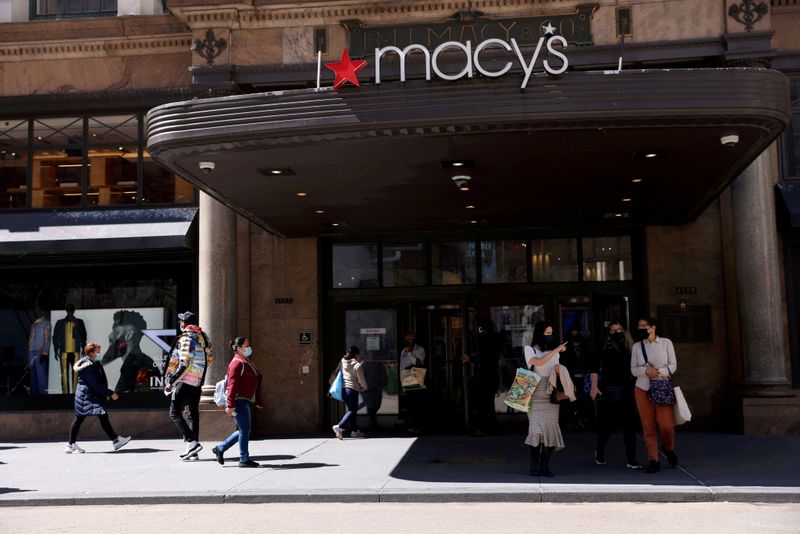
(221,391)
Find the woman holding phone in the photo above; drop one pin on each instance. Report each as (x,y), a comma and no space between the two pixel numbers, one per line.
(544,434)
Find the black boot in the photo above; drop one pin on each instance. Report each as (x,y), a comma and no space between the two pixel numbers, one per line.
(535,461)
(544,468)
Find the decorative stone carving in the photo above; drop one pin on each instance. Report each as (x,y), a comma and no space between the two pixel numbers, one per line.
(748,13)
(209,48)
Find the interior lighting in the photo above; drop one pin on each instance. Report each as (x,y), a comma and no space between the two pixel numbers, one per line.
(470,207)
(302,194)
(319,212)
(637,180)
(626,199)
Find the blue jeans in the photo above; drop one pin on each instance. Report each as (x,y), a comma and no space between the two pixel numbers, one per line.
(242,434)
(350,418)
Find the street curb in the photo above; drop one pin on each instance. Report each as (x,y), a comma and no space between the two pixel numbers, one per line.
(701,495)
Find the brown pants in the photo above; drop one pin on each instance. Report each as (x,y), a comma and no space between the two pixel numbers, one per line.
(652,415)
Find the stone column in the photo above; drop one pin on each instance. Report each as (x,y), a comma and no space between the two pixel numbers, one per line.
(217,284)
(765,365)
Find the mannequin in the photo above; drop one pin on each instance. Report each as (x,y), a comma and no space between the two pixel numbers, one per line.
(69,337)
(38,351)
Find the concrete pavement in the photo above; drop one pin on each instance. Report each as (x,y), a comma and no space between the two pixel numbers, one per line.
(714,467)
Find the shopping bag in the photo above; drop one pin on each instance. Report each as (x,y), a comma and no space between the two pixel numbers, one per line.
(221,392)
(520,395)
(680,410)
(337,387)
(413,378)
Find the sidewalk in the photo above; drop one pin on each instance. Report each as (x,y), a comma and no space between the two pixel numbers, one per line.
(714,467)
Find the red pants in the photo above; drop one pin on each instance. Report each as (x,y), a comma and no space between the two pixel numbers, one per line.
(652,415)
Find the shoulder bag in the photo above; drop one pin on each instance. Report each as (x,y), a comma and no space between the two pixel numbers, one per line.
(662,390)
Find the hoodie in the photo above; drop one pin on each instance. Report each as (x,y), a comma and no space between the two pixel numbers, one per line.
(191,358)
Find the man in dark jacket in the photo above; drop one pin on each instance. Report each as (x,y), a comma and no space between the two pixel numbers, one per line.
(69,337)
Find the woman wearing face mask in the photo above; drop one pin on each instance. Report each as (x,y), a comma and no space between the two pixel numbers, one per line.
(243,390)
(91,397)
(660,363)
(612,389)
(544,434)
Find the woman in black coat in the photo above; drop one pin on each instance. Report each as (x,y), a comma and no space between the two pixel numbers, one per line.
(91,397)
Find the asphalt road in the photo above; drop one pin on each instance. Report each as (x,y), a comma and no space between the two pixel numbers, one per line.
(316,518)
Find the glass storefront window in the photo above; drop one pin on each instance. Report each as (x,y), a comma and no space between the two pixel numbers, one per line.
(118,313)
(453,263)
(374,333)
(57,132)
(160,186)
(607,259)
(13,178)
(404,265)
(503,262)
(112,176)
(355,266)
(56,178)
(554,260)
(120,129)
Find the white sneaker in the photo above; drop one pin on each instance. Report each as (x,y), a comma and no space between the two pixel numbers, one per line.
(120,442)
(72,448)
(356,434)
(337,431)
(192,448)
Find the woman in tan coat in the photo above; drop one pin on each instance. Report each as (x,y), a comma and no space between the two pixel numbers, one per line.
(354,383)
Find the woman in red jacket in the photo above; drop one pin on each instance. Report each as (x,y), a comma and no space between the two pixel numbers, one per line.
(243,390)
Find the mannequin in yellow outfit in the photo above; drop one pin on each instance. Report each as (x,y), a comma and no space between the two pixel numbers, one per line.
(69,336)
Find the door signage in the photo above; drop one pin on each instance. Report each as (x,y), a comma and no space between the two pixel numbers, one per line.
(304,338)
(372,331)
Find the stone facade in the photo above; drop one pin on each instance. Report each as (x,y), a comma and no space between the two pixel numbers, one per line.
(153,51)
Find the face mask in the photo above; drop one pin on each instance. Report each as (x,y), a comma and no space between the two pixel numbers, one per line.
(642,334)
(248,351)
(548,339)
(619,337)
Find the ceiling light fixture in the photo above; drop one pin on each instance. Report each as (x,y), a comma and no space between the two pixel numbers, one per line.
(473,222)
(637,180)
(458,164)
(319,212)
(470,207)
(277,171)
(302,194)
(462,181)
(627,199)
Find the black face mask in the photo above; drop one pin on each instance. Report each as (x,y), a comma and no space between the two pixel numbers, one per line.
(617,337)
(642,334)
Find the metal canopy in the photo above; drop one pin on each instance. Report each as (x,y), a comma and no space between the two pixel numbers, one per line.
(566,151)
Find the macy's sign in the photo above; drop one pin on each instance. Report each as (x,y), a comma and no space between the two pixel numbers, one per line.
(346,68)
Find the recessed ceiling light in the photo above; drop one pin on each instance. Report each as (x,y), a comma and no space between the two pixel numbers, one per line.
(277,171)
(470,207)
(38,137)
(320,212)
(120,148)
(473,222)
(637,180)
(626,199)
(650,155)
(302,194)
(458,164)
(617,215)
(334,224)
(464,188)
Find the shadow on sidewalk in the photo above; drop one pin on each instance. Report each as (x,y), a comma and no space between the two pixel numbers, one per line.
(140,450)
(705,459)
(13,490)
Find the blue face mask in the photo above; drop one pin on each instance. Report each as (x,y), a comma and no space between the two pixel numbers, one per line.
(548,339)
(248,351)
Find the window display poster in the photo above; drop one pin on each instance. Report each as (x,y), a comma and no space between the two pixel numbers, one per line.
(131,360)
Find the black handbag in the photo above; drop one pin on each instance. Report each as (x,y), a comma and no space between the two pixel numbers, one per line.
(558,396)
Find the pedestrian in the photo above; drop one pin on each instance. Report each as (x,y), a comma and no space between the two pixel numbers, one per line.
(413,355)
(612,391)
(354,383)
(184,378)
(653,358)
(91,396)
(544,434)
(243,390)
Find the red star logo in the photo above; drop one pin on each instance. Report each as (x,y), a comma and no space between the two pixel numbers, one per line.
(346,69)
